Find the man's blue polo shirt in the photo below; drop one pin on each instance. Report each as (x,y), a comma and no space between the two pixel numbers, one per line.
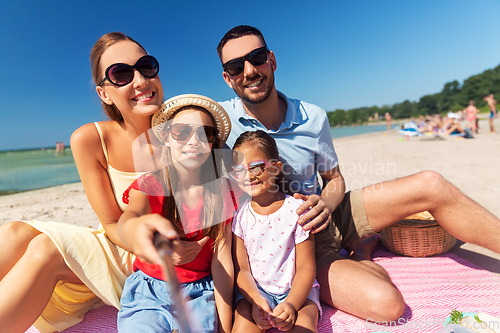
(304,141)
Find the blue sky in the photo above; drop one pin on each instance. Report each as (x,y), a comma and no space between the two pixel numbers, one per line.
(336,54)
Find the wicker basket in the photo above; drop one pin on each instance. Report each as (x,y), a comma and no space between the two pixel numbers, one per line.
(417,235)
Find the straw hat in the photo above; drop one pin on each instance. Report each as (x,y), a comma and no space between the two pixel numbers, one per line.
(169,107)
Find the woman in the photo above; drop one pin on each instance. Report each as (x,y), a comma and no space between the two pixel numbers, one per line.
(53,273)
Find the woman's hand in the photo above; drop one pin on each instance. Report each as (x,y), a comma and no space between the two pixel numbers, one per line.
(318,216)
(143,241)
(185,252)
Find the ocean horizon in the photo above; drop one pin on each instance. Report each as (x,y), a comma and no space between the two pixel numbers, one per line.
(34,168)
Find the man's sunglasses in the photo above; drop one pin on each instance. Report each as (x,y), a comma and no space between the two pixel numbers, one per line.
(236,66)
(183,132)
(122,74)
(256,168)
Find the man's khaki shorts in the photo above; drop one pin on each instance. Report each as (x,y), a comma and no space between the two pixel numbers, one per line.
(349,224)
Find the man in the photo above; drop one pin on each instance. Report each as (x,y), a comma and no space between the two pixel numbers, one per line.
(493,110)
(355,285)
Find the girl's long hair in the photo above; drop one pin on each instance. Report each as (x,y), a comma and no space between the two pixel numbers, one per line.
(213,195)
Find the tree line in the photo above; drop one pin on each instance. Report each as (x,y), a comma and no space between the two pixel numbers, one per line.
(453,97)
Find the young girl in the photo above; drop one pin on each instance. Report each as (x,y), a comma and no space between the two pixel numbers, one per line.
(189,194)
(273,256)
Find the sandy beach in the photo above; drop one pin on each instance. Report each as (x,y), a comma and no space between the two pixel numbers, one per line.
(470,164)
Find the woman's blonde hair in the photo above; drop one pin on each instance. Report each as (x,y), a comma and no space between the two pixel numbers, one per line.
(98,50)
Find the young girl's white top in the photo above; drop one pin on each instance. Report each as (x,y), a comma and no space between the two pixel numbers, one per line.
(270,243)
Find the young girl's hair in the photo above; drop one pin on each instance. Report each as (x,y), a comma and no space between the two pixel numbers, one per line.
(213,195)
(265,143)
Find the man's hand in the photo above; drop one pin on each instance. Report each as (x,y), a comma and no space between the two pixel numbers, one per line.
(185,251)
(284,316)
(261,314)
(319,214)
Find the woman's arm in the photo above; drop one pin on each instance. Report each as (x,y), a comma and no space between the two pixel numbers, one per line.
(305,272)
(223,275)
(91,163)
(321,207)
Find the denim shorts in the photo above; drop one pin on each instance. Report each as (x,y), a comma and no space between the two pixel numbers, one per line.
(147,305)
(273,300)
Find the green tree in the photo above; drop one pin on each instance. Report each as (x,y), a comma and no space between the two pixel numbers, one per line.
(404,110)
(427,105)
(337,117)
(449,96)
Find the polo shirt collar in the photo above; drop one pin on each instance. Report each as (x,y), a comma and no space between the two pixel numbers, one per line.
(293,115)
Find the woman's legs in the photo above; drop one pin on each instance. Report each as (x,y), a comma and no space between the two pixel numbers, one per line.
(14,239)
(29,276)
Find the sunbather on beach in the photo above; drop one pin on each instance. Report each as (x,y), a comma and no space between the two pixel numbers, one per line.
(53,273)
(450,126)
(356,285)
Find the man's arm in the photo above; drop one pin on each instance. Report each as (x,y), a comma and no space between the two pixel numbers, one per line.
(321,207)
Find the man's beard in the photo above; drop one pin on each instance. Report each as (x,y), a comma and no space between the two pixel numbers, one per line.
(257,99)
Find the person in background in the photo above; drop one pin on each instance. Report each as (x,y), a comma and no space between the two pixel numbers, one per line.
(388,120)
(471,115)
(492,104)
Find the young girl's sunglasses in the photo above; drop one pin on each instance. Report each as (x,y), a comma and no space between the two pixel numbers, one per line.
(122,74)
(183,132)
(236,66)
(256,168)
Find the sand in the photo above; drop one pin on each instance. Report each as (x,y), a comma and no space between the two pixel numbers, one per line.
(473,165)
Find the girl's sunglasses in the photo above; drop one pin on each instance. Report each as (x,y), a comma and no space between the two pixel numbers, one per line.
(122,74)
(183,132)
(256,168)
(236,66)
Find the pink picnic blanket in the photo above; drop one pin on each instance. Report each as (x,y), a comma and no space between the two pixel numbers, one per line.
(431,287)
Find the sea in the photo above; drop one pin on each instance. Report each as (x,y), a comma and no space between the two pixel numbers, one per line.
(29,169)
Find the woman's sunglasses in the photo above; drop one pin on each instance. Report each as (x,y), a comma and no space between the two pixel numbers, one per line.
(122,74)
(183,132)
(236,66)
(256,168)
